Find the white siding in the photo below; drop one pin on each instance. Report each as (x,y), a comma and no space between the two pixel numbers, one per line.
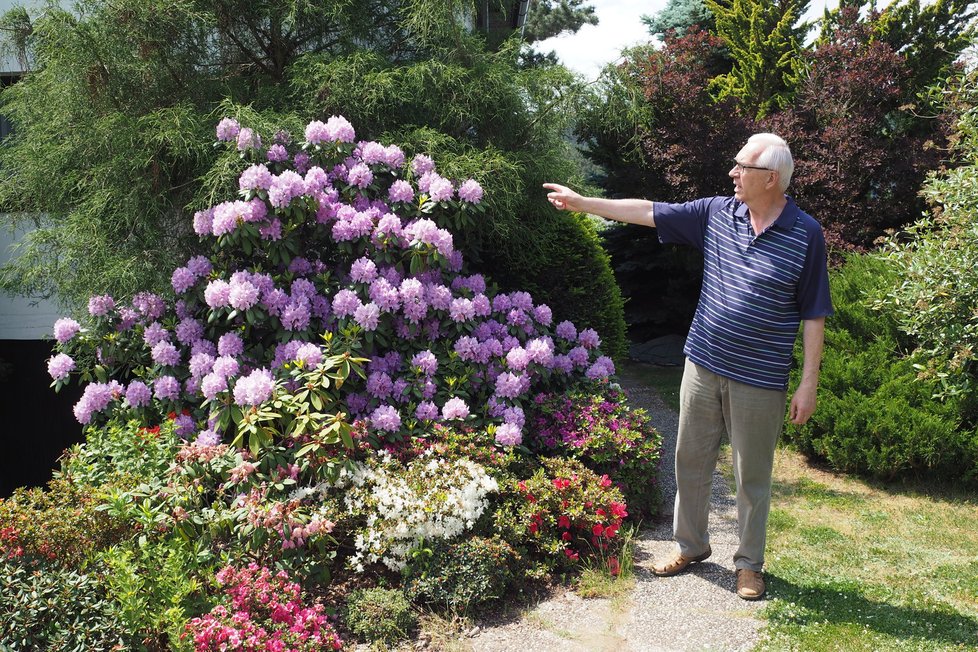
(22,318)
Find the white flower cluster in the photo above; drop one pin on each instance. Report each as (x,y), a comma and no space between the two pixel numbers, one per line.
(432,498)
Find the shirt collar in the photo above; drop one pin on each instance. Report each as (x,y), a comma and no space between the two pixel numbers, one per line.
(786,221)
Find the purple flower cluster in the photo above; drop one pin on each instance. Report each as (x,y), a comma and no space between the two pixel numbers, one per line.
(65,329)
(443,346)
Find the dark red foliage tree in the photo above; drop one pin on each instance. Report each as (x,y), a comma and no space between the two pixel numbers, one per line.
(690,142)
(860,156)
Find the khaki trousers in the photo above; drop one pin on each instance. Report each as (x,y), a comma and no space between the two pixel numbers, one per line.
(752,417)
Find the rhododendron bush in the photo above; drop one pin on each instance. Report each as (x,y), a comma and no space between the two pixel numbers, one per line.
(341,392)
(334,253)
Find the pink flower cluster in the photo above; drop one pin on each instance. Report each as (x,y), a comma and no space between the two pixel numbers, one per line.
(237,335)
(262,612)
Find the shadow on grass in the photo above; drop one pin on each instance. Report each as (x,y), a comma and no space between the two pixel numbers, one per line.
(816,492)
(844,606)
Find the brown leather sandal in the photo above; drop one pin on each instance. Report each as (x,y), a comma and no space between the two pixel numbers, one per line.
(678,564)
(750,584)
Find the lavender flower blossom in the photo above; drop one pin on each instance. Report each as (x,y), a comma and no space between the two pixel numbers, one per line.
(60,366)
(385,418)
(138,394)
(470,191)
(509,434)
(228,129)
(101,305)
(65,329)
(166,388)
(230,344)
(454,408)
(166,354)
(255,388)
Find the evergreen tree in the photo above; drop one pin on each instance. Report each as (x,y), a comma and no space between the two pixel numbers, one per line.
(680,16)
(930,36)
(106,157)
(765,40)
(549,18)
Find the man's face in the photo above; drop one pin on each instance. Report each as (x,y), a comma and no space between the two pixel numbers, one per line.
(750,180)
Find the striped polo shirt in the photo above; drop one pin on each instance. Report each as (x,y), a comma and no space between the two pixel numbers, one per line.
(756,288)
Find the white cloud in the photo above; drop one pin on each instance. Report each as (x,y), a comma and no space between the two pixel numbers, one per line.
(619,26)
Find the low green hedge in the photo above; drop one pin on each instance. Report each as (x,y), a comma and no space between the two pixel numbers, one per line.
(875,416)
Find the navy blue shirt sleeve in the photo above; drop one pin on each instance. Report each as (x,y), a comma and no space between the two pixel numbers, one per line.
(814,298)
(686,223)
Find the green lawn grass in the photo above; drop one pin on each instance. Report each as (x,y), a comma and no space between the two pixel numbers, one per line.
(853,566)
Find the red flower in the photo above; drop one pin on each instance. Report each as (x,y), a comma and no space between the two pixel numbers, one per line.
(564,522)
(600,512)
(573,556)
(566,536)
(597,530)
(613,567)
(611,530)
(605,481)
(618,510)
(534,527)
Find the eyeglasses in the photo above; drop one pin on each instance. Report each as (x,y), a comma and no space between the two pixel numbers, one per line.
(740,167)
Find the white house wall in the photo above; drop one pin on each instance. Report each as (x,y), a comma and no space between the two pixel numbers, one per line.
(22,318)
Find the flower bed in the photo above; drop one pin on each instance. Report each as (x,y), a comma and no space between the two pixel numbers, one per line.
(331,393)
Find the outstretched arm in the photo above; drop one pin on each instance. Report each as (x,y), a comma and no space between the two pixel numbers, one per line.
(803,402)
(633,211)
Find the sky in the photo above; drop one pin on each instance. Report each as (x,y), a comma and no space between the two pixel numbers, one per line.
(619,26)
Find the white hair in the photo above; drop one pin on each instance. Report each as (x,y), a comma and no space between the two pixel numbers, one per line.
(775,156)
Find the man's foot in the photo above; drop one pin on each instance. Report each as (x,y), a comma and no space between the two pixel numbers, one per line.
(750,584)
(678,564)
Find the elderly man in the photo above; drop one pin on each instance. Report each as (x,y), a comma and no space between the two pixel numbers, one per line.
(765,273)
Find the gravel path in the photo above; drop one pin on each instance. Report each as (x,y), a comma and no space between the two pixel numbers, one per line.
(696,610)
